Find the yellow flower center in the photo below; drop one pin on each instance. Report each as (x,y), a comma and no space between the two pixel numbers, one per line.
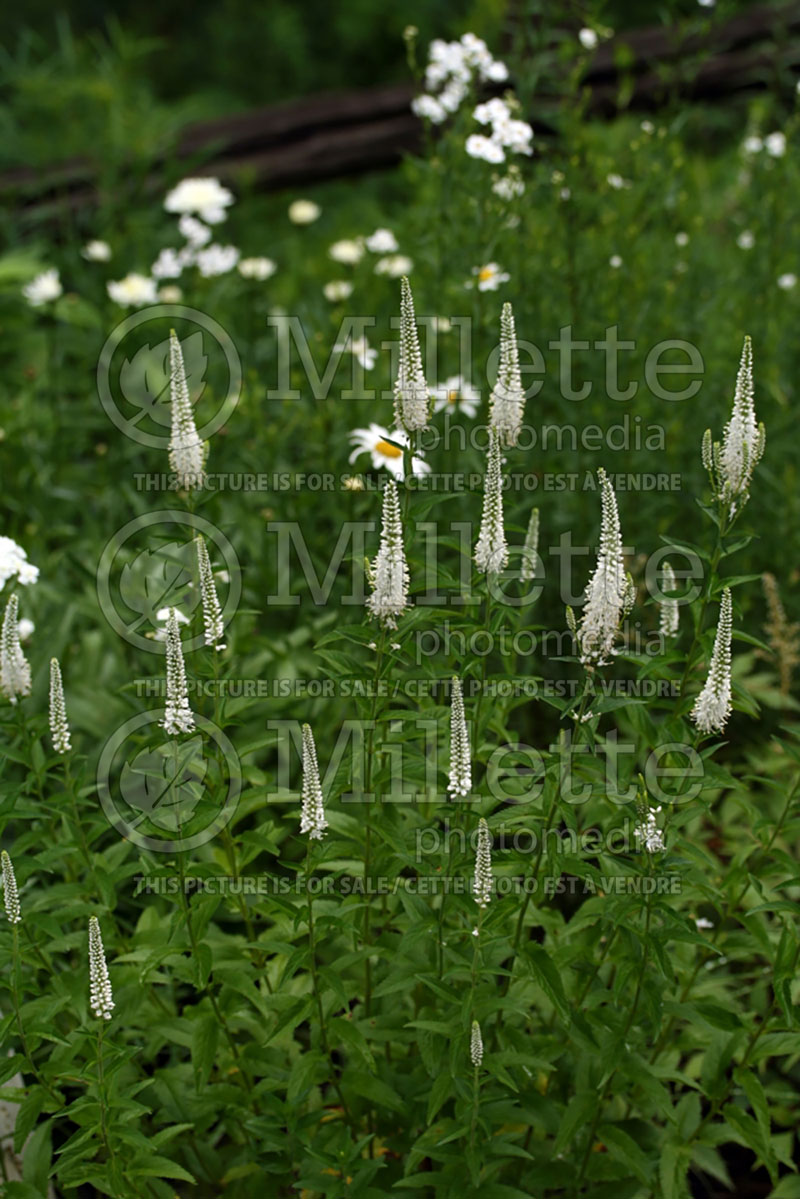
(485,273)
(452,397)
(388,450)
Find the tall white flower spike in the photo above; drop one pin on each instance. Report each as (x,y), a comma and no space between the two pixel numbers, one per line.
(15,673)
(507,402)
(491,550)
(460,761)
(646,831)
(476,1045)
(389,573)
(312,810)
(10,893)
(730,465)
(530,549)
(669,612)
(411,394)
(213,622)
(59,728)
(186,450)
(178,716)
(100,998)
(482,884)
(713,705)
(610,592)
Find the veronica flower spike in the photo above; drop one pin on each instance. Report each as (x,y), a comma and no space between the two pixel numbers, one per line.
(312,811)
(178,716)
(411,394)
(15,672)
(186,450)
(491,550)
(460,764)
(730,465)
(713,705)
(508,397)
(610,592)
(388,574)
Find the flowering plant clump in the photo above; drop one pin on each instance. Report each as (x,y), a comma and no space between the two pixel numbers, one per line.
(519,916)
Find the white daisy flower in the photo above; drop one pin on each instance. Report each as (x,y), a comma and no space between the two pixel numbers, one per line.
(304,212)
(96,251)
(377,442)
(488,277)
(134,291)
(456,395)
(348,250)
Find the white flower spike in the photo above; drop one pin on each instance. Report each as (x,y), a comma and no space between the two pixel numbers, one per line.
(178,716)
(530,550)
(713,705)
(312,811)
(411,395)
(100,998)
(646,831)
(10,894)
(389,573)
(483,883)
(59,728)
(610,592)
(186,451)
(491,550)
(508,397)
(460,762)
(476,1045)
(213,622)
(669,612)
(730,465)
(15,673)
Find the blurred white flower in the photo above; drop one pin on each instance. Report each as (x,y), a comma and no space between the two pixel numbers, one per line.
(615,262)
(775,144)
(746,240)
(134,291)
(681,239)
(170,263)
(510,186)
(45,287)
(752,145)
(257,268)
(195,232)
(337,289)
(377,441)
(382,241)
(441,324)
(96,251)
(706,3)
(14,561)
(361,350)
(587,38)
(456,395)
(348,250)
(216,260)
(647,127)
(303,212)
(616,181)
(206,197)
(394,265)
(488,277)
(701,923)
(429,108)
(480,146)
(26,628)
(787,282)
(170,294)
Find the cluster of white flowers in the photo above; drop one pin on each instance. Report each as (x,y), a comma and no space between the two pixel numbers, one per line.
(460,782)
(43,289)
(507,402)
(178,716)
(388,575)
(669,612)
(713,705)
(312,811)
(384,447)
(476,1045)
(483,883)
(491,550)
(452,68)
(773,143)
(100,997)
(15,672)
(213,622)
(411,394)
(508,134)
(257,268)
(10,893)
(647,832)
(730,465)
(59,727)
(610,592)
(204,196)
(14,561)
(509,186)
(186,451)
